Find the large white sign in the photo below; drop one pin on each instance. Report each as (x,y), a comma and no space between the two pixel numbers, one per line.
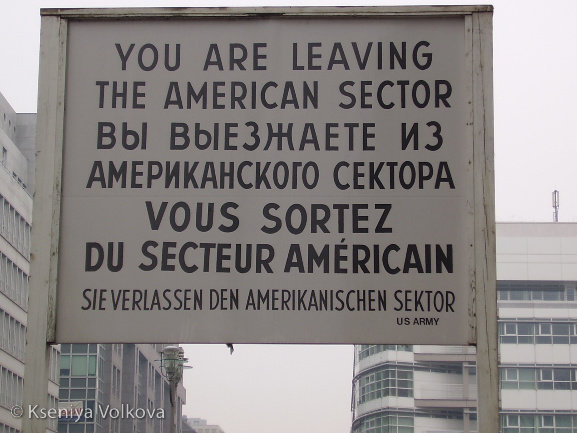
(267,179)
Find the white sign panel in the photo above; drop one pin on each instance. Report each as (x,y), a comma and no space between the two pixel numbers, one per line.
(71,411)
(265,179)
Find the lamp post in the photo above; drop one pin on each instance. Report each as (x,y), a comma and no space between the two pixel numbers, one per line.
(172,361)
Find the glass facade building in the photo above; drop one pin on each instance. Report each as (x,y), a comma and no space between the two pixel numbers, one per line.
(432,389)
(80,382)
(115,388)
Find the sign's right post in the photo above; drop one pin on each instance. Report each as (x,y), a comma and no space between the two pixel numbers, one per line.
(485,305)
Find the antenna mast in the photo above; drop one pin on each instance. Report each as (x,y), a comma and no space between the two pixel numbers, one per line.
(556,206)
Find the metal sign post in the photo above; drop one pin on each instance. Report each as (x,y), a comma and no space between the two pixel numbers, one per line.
(45,229)
(488,395)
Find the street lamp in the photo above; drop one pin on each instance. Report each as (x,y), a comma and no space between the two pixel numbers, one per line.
(172,363)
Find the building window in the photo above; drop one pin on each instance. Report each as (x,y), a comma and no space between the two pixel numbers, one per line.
(537,332)
(78,365)
(14,227)
(538,423)
(385,382)
(12,335)
(372,349)
(14,282)
(537,291)
(116,382)
(11,388)
(386,422)
(538,378)
(65,365)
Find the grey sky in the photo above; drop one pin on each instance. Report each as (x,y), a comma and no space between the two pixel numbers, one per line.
(284,389)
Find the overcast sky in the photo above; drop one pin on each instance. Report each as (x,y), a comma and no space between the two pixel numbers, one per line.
(282,389)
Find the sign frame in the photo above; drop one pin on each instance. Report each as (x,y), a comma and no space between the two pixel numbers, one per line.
(49,162)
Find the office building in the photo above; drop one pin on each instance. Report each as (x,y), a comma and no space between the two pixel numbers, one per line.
(432,389)
(116,382)
(200,425)
(17,138)
(116,388)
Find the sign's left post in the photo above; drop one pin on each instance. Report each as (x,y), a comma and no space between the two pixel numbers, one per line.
(46,223)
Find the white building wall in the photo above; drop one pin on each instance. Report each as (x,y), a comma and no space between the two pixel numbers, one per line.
(16,185)
(437,425)
(539,400)
(16,203)
(379,403)
(441,386)
(546,354)
(537,251)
